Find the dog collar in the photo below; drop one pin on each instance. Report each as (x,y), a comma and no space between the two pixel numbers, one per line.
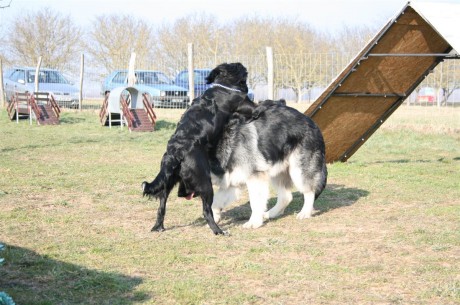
(225,87)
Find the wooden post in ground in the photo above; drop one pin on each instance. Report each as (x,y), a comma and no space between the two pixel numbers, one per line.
(131,74)
(270,77)
(191,74)
(37,71)
(2,90)
(80,94)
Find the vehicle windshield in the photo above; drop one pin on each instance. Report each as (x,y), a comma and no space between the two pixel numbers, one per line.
(52,77)
(150,78)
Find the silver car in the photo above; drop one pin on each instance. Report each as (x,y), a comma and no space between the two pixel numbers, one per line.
(22,79)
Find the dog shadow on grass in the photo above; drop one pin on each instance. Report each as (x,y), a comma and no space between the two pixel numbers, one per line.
(31,278)
(165,125)
(71,120)
(333,197)
(405,161)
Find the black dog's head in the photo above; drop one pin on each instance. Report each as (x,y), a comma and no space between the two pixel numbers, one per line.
(232,75)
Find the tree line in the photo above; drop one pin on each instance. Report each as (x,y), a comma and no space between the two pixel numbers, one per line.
(110,40)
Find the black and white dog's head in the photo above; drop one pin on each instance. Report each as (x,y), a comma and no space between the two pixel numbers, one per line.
(233,75)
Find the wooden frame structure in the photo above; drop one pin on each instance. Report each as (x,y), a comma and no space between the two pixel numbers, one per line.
(40,106)
(378,81)
(128,106)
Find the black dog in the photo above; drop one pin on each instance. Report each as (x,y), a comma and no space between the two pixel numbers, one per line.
(186,159)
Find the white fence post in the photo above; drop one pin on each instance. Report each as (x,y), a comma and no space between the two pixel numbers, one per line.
(191,78)
(82,69)
(131,74)
(2,90)
(37,81)
(270,77)
(37,70)
(438,92)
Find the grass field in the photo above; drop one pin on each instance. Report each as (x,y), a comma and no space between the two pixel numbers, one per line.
(77,229)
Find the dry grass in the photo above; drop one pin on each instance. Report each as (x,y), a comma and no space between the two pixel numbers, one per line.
(386,231)
(425,120)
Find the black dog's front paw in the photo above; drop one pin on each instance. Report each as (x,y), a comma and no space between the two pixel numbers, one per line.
(158,228)
(219,232)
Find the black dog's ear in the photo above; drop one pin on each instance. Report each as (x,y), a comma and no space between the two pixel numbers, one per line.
(214,73)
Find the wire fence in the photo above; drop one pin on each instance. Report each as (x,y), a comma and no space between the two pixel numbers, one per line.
(298,78)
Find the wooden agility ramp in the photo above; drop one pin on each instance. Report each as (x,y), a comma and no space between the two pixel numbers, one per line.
(127,106)
(40,106)
(383,74)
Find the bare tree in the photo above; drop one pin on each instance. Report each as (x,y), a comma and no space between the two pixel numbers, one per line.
(304,57)
(351,39)
(47,34)
(113,38)
(202,30)
(446,76)
(2,43)
(249,37)
(293,43)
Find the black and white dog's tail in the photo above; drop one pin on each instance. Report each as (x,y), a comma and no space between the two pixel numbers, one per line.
(321,185)
(165,180)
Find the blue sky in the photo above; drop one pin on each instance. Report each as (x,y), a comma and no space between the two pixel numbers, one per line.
(324,15)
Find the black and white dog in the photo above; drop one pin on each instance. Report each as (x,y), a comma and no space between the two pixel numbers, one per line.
(186,159)
(279,145)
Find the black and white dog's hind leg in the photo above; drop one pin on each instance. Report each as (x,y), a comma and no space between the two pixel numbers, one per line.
(307,181)
(282,184)
(259,192)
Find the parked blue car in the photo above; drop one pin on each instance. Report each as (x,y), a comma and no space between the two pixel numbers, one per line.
(161,89)
(22,79)
(199,80)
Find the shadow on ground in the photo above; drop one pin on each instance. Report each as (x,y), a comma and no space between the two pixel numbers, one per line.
(165,125)
(31,278)
(407,161)
(71,120)
(333,197)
